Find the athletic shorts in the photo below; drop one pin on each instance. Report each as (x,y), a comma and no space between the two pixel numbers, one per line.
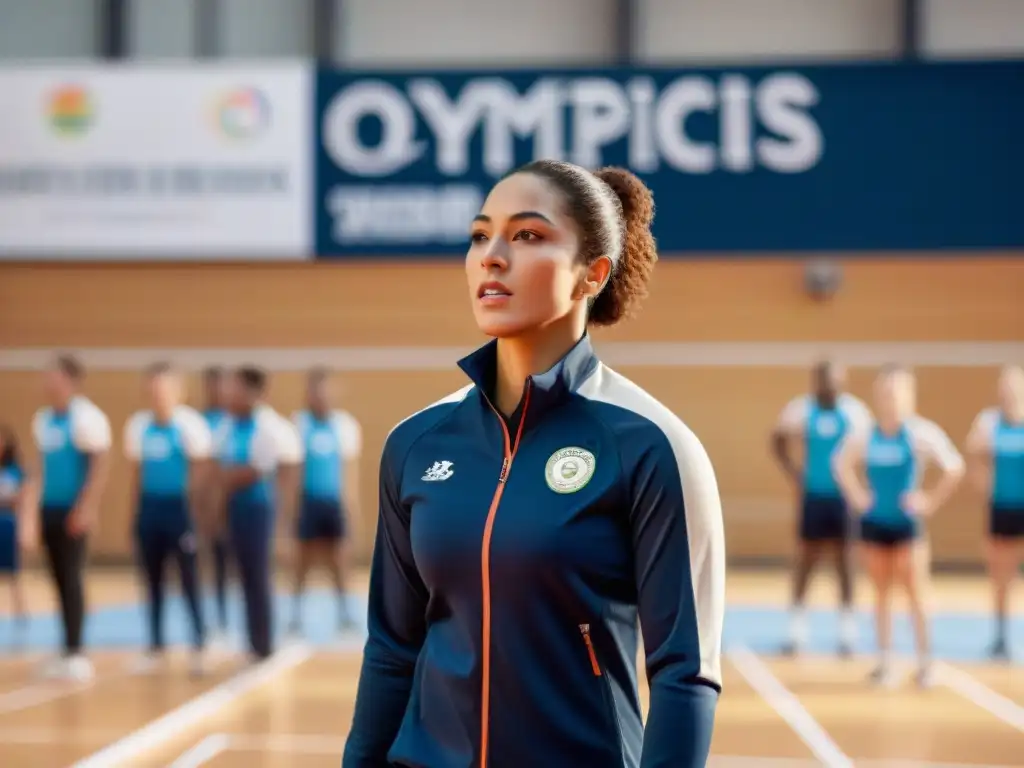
(888,534)
(321,520)
(824,518)
(1006,522)
(9,550)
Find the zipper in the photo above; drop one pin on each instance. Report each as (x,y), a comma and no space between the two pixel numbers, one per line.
(587,641)
(485,571)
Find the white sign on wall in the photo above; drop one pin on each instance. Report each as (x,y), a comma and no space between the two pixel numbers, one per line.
(156,162)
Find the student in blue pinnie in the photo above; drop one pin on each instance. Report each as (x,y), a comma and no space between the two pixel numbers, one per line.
(881,471)
(250,447)
(72,438)
(15,530)
(995,447)
(214,536)
(331,444)
(169,445)
(819,421)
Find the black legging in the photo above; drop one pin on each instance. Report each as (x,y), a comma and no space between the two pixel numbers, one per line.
(156,547)
(66,556)
(219,551)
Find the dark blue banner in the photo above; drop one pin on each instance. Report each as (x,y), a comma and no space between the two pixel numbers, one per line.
(830,158)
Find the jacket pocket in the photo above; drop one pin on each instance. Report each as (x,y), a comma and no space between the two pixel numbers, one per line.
(606,689)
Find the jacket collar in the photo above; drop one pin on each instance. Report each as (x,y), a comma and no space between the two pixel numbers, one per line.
(546,389)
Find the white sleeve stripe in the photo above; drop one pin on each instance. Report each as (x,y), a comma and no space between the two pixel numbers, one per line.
(793,417)
(702,507)
(198,442)
(90,427)
(982,434)
(39,423)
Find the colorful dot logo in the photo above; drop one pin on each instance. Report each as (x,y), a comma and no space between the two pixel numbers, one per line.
(71,110)
(243,113)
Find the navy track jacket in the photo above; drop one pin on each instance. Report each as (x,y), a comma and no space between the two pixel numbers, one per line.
(513,558)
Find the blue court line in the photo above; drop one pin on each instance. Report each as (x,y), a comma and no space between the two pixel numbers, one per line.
(962,637)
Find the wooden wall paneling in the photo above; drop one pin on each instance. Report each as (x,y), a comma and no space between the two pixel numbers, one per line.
(326,304)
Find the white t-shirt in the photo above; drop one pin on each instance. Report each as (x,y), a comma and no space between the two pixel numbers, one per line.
(983,431)
(90,427)
(289,443)
(196,437)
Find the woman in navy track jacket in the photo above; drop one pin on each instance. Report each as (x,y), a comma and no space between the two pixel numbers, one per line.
(528,520)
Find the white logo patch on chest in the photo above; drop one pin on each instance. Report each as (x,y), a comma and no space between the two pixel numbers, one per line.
(569,469)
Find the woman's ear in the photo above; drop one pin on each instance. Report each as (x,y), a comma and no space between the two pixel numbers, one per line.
(595,277)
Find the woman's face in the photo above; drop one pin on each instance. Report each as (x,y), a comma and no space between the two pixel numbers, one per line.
(522,266)
(894,396)
(164,390)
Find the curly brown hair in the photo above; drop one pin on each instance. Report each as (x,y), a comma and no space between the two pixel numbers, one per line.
(613,209)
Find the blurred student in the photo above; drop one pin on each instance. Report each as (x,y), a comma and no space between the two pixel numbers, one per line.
(332,444)
(290,456)
(73,439)
(15,530)
(249,453)
(820,420)
(893,454)
(169,445)
(214,523)
(995,449)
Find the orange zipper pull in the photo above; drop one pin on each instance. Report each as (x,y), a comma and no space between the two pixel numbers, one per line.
(504,470)
(585,631)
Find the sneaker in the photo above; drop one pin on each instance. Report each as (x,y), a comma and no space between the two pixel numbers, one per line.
(79,669)
(882,676)
(794,645)
(924,678)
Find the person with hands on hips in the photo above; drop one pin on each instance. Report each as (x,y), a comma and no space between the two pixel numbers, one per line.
(880,469)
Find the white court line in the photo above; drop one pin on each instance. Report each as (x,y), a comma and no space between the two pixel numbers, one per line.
(203,752)
(173,723)
(64,735)
(307,744)
(980,694)
(660,354)
(789,708)
(35,694)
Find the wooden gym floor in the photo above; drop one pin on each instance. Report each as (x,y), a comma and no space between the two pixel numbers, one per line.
(294,710)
